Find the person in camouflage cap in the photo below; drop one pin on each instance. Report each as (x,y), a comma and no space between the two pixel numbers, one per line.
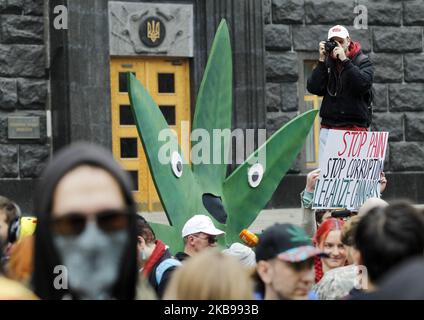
(285,263)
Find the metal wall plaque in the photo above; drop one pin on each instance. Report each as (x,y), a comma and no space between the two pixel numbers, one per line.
(140,28)
(23,127)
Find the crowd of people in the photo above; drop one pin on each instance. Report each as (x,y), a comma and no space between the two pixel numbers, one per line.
(86,240)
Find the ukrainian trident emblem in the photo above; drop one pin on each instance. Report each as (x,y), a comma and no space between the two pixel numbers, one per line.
(153,30)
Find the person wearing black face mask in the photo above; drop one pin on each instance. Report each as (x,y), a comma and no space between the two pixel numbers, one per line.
(85,242)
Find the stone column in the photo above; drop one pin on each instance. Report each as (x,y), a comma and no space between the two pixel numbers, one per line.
(80,75)
(244,18)
(245,21)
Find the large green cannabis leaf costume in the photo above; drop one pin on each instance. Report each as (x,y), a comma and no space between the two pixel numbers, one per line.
(232,202)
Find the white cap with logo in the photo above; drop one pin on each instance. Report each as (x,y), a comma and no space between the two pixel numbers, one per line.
(338,31)
(200,223)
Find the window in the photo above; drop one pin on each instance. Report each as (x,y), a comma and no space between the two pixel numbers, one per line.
(126,117)
(169,114)
(311,102)
(166,83)
(123,85)
(129,148)
(134,178)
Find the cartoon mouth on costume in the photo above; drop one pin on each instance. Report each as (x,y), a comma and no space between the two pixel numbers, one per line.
(215,207)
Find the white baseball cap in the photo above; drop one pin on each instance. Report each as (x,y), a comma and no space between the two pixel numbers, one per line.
(243,253)
(338,31)
(200,223)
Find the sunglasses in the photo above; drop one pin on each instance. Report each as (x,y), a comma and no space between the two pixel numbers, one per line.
(74,223)
(211,239)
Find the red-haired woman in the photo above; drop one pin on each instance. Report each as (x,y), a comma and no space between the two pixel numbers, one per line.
(328,239)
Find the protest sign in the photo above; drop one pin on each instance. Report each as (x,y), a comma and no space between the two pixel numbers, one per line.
(350,169)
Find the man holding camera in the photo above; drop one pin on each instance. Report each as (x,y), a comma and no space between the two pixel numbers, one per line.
(344,77)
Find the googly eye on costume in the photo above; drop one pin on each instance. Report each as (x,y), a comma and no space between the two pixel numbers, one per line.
(177,164)
(255,175)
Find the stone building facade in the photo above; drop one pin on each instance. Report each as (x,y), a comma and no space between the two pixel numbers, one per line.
(24,81)
(394,42)
(61,78)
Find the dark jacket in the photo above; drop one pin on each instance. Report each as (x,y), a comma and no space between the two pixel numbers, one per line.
(346,91)
(356,294)
(156,260)
(182,256)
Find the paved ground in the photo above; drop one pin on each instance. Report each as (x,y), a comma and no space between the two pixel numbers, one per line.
(264,219)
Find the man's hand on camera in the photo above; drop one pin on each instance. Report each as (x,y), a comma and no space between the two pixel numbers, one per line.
(322,51)
(338,53)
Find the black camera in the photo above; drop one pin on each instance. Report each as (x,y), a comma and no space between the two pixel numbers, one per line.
(342,214)
(330,45)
